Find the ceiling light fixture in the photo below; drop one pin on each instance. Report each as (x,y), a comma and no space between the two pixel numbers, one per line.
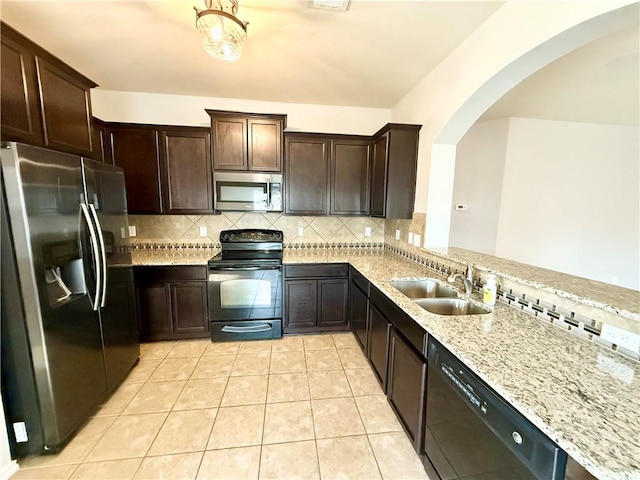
(223,35)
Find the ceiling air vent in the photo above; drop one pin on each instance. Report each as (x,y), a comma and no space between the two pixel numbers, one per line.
(335,5)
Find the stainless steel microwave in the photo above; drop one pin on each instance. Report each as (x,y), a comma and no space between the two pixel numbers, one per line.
(240,191)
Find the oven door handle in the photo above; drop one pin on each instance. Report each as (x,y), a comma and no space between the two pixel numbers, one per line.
(249,329)
(245,269)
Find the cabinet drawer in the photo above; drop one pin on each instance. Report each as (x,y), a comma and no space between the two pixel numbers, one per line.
(316,270)
(148,275)
(413,332)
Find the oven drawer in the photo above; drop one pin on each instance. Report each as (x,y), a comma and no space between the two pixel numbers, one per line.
(246,330)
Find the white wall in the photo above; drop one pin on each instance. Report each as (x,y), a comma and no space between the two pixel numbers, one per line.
(571,199)
(478,184)
(156,108)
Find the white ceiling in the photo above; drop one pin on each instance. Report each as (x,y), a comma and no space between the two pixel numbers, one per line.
(369,56)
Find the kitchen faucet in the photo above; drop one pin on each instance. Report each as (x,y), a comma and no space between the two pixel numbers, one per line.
(466,280)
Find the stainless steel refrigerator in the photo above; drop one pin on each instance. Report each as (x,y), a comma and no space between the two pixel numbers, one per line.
(69,330)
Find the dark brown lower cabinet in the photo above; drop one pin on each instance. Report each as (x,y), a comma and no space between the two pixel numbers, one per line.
(359,315)
(316,298)
(172,302)
(378,342)
(406,386)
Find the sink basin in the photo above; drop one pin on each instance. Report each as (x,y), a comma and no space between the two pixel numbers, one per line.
(450,306)
(425,288)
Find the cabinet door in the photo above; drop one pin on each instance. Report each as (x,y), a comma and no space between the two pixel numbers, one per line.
(154,312)
(350,182)
(407,386)
(378,341)
(306,171)
(100,142)
(359,315)
(379,176)
(66,109)
(229,142)
(300,304)
(189,309)
(187,184)
(19,110)
(264,144)
(333,296)
(136,151)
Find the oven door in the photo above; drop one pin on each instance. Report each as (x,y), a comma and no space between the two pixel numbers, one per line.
(245,299)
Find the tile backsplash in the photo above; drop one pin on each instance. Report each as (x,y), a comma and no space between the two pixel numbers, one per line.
(186,229)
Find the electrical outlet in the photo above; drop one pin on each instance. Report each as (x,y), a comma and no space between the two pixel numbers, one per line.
(367,231)
(132,230)
(397,234)
(301,231)
(622,338)
(20,430)
(411,238)
(123,232)
(416,239)
(203,230)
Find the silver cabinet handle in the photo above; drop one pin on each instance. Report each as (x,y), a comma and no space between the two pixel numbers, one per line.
(96,255)
(252,328)
(103,254)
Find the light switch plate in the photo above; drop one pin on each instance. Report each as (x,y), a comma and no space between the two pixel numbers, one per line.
(397,234)
(620,337)
(123,232)
(203,230)
(301,231)
(132,230)
(411,238)
(367,231)
(416,239)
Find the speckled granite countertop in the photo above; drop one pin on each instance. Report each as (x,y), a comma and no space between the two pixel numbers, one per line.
(172,257)
(584,397)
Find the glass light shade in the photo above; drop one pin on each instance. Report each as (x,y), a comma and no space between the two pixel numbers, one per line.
(223,35)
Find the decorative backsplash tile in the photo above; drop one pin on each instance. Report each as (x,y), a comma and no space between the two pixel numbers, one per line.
(185,229)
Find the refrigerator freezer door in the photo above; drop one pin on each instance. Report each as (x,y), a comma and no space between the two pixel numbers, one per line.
(43,193)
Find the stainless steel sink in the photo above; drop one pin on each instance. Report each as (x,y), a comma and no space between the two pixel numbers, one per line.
(425,288)
(450,306)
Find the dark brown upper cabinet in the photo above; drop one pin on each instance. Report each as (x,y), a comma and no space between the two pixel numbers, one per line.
(246,141)
(187,184)
(44,101)
(394,166)
(100,141)
(326,174)
(135,149)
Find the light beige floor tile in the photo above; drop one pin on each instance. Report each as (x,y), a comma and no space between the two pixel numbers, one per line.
(288,362)
(141,372)
(255,346)
(245,391)
(62,472)
(174,369)
(199,394)
(155,349)
(377,415)
(322,360)
(288,422)
(119,400)
(297,460)
(336,417)
(288,387)
(329,384)
(347,457)
(363,382)
(396,457)
(130,436)
(318,342)
(237,427)
(214,366)
(155,397)
(183,466)
(222,348)
(352,358)
(110,470)
(189,348)
(288,344)
(345,340)
(184,431)
(234,463)
(251,364)
(77,449)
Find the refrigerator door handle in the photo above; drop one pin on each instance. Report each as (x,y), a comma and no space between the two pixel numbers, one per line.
(103,254)
(96,255)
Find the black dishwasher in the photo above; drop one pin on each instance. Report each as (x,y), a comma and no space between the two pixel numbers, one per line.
(471,432)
